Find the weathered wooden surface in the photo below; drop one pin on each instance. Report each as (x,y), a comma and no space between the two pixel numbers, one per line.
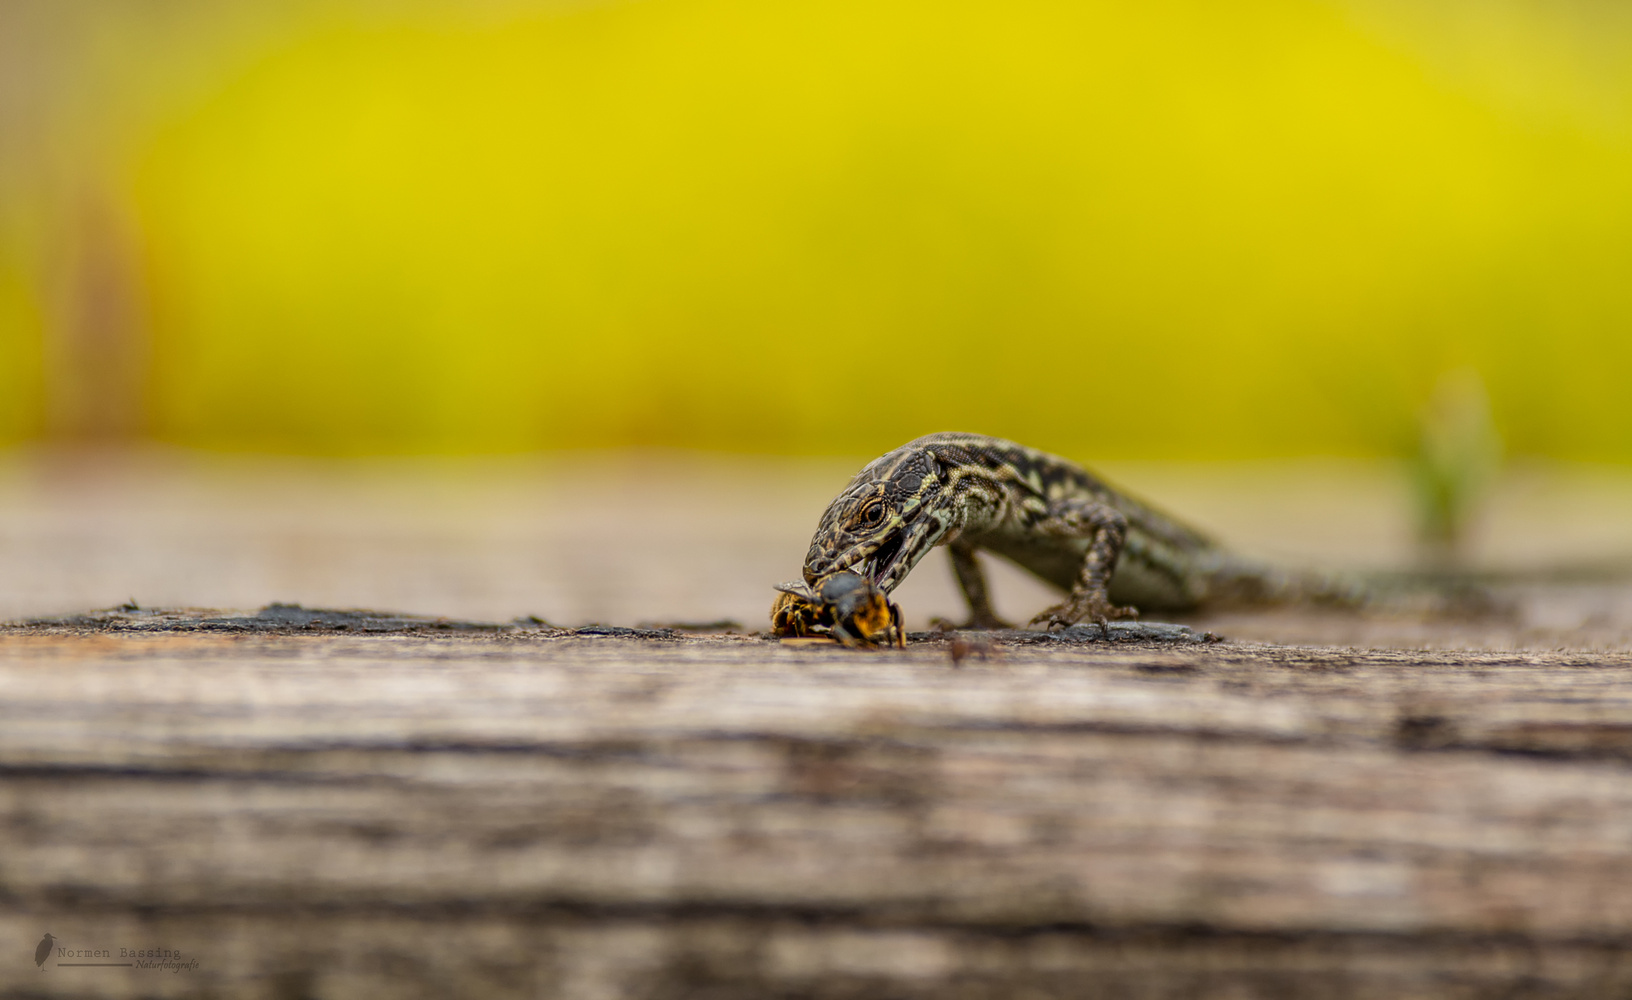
(410,808)
(662,537)
(535,812)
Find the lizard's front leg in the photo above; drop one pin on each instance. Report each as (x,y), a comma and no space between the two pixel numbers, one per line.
(1106,529)
(973,583)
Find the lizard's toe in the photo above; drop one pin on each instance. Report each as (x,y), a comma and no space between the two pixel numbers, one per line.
(1056,617)
(1069,614)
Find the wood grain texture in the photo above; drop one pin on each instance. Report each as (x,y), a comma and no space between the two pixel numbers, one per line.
(541,813)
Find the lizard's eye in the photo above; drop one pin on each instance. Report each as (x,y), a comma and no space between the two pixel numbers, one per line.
(870,516)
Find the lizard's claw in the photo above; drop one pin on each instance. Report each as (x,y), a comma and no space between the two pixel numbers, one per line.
(1072,612)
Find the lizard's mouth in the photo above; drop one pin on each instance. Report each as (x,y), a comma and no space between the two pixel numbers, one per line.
(897,555)
(885,560)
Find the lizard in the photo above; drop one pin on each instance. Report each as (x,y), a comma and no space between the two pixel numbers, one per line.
(1113,554)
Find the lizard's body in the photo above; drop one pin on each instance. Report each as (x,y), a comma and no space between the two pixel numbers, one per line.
(1114,555)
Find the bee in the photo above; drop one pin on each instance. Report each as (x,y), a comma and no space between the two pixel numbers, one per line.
(844,606)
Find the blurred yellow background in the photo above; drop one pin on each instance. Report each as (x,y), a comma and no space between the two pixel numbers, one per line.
(1171,229)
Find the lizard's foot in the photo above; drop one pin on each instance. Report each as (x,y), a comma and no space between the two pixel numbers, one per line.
(1080,609)
(983,623)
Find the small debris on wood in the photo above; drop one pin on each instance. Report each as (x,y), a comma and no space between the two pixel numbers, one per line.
(963,647)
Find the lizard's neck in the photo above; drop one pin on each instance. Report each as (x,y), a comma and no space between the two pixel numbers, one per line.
(961,498)
(936,519)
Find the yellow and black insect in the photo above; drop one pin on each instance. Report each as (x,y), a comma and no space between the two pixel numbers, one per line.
(844,606)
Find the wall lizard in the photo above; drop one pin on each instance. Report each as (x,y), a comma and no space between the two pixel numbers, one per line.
(1113,555)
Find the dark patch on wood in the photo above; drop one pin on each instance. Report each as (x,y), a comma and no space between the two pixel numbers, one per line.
(272,619)
(1424,732)
(1115,632)
(719,625)
(623,632)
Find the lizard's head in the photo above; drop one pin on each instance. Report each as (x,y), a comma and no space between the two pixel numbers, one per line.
(882,524)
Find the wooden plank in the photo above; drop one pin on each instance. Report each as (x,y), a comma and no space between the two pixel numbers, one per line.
(540,813)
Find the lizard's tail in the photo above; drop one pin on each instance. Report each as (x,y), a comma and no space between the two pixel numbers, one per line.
(1234,580)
